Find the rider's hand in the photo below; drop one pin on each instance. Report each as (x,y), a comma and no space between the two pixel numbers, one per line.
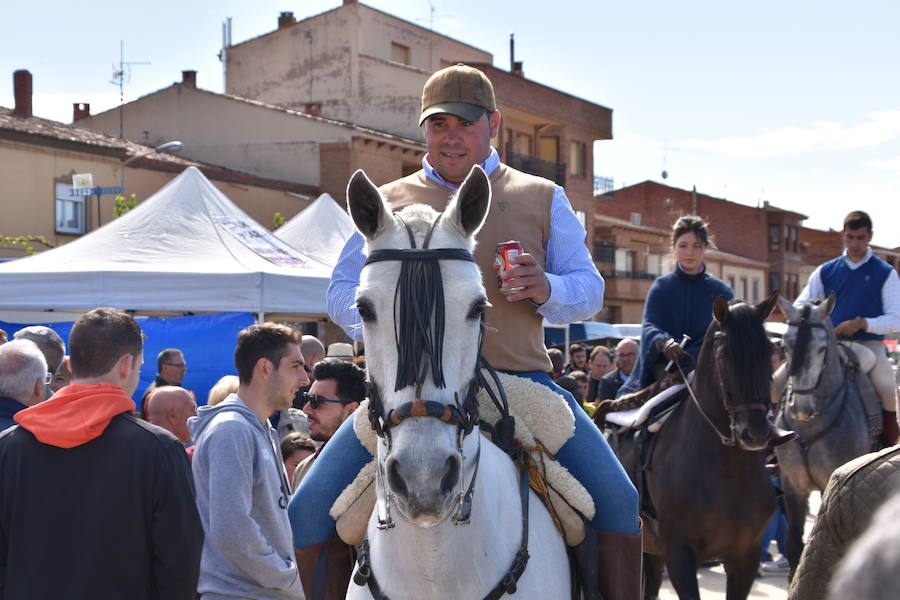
(672,351)
(529,274)
(849,327)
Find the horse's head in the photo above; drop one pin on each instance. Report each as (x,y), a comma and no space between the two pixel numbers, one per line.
(737,343)
(809,336)
(422,303)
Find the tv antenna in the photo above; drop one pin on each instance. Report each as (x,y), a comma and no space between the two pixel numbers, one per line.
(119,77)
(665,173)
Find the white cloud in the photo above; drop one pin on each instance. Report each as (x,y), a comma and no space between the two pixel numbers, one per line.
(878,128)
(891,164)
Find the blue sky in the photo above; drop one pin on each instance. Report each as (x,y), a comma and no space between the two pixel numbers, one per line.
(797,103)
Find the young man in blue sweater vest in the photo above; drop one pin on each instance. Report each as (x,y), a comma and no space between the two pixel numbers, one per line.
(867,306)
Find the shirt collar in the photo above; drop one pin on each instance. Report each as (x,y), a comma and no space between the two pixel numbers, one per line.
(489,164)
(860,263)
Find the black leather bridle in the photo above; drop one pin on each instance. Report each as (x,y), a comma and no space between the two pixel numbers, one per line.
(464,416)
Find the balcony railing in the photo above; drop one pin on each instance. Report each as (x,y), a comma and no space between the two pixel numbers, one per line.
(555,172)
(609,273)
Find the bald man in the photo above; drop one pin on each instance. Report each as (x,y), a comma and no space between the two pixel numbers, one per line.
(170,407)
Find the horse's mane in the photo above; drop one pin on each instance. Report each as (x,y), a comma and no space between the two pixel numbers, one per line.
(419,302)
(801,347)
(747,346)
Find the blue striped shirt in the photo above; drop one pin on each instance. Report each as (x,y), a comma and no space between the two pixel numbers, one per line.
(576,288)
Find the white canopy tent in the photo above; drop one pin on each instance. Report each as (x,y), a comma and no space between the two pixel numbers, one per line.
(187,248)
(320,230)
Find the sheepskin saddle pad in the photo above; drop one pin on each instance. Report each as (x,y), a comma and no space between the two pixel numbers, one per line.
(544,422)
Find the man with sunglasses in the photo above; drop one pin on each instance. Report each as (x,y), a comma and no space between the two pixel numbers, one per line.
(337,390)
(170,370)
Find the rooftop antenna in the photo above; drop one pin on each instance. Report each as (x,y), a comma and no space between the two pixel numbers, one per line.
(665,172)
(118,78)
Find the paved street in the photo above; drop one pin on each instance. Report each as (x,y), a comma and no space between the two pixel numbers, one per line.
(768,587)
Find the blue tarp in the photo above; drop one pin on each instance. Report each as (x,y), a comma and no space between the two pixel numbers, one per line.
(578,332)
(207,342)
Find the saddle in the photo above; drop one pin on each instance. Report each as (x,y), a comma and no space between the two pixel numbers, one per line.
(544,422)
(632,411)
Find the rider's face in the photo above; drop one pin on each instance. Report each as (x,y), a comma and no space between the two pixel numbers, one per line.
(455,145)
(856,241)
(689,250)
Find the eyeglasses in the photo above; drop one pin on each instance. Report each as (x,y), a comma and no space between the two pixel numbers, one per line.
(177,365)
(315,400)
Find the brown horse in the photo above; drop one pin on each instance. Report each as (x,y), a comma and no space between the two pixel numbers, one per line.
(704,472)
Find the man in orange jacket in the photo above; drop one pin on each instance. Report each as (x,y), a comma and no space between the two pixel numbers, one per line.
(95,503)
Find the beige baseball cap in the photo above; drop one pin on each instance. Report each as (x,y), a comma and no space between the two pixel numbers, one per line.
(459,90)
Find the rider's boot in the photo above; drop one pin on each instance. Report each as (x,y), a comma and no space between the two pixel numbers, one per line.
(324,577)
(620,558)
(780,436)
(889,429)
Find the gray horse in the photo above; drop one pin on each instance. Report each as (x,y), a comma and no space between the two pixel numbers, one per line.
(824,403)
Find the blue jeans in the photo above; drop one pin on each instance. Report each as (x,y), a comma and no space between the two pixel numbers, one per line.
(586,455)
(777,528)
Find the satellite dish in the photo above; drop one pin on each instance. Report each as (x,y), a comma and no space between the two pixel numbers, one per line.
(665,174)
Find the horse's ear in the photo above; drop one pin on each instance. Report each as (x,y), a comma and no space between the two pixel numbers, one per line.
(766,307)
(367,208)
(469,208)
(786,307)
(829,305)
(720,309)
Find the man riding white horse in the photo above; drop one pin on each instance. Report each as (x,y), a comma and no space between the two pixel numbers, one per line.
(559,282)
(867,306)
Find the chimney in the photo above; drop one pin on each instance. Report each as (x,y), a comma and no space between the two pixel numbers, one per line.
(517,69)
(346,2)
(286,18)
(189,79)
(22,92)
(80,111)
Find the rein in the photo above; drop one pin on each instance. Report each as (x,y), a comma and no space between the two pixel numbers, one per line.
(420,283)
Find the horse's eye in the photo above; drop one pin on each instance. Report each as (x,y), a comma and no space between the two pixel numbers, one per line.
(477,310)
(366,312)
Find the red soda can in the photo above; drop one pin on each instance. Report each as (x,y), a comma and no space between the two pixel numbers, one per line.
(505,251)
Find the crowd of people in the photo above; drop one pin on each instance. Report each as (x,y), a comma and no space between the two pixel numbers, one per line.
(230,499)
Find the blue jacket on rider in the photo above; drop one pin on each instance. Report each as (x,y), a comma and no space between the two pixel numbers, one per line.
(677,304)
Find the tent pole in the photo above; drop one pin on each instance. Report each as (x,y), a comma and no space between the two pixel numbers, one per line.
(260,317)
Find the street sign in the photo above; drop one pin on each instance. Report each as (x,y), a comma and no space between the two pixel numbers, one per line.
(97,191)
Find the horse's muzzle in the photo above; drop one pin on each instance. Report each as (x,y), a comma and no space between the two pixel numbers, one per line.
(424,487)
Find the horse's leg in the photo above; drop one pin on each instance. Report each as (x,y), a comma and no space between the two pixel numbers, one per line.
(653,570)
(740,575)
(682,565)
(795,508)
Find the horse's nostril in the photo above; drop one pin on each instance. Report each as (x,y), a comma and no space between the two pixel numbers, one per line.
(451,475)
(395,479)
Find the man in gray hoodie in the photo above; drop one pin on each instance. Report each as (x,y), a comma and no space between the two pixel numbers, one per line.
(242,487)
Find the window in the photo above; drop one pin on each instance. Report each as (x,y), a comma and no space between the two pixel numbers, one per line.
(731,282)
(577,159)
(625,262)
(605,251)
(654,264)
(743,295)
(755,290)
(400,53)
(69,210)
(774,235)
(635,218)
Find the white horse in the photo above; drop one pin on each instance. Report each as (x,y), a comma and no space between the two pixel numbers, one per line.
(422,540)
